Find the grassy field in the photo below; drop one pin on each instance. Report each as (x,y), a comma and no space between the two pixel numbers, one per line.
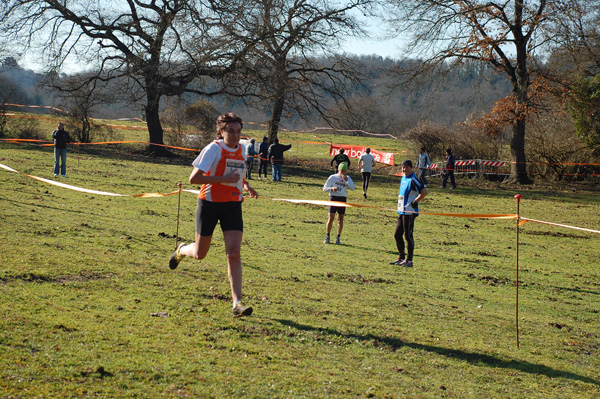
(84,283)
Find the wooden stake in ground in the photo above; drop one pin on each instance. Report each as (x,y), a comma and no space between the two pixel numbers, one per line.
(518,197)
(178,206)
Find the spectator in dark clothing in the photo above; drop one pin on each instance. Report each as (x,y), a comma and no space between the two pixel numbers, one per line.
(339,158)
(275,155)
(449,170)
(61,138)
(263,157)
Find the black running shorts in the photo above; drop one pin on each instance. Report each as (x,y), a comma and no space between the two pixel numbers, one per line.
(208,213)
(339,209)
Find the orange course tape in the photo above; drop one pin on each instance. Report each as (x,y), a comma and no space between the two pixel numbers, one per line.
(348,204)
(300,201)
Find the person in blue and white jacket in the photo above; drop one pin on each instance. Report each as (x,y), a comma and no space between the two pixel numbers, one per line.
(337,185)
(410,194)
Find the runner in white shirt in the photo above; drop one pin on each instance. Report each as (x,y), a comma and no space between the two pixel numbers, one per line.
(366,163)
(337,185)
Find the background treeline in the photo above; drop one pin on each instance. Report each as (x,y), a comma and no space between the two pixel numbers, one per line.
(376,105)
(442,113)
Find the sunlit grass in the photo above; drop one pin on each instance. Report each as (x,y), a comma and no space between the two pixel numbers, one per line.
(83,274)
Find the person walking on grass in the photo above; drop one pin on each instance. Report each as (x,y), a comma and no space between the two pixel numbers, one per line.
(250,155)
(338,159)
(337,185)
(220,170)
(410,194)
(263,157)
(275,155)
(449,169)
(366,163)
(61,138)
(423,163)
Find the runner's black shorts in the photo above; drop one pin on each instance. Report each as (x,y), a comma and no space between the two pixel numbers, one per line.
(208,213)
(339,209)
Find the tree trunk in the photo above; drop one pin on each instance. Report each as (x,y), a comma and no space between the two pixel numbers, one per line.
(279,99)
(275,119)
(155,130)
(518,167)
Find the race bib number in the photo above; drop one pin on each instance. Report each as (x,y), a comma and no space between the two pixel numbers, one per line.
(401,203)
(235,166)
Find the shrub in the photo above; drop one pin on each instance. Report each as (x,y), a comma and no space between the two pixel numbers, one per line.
(25,129)
(552,144)
(466,141)
(202,116)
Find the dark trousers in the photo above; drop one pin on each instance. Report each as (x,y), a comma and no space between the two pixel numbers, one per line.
(404,228)
(262,167)
(366,179)
(422,174)
(249,163)
(448,173)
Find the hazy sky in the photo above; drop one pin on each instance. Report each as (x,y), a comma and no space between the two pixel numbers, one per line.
(385,48)
(374,45)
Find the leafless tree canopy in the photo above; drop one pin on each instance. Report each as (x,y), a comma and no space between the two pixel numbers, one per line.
(506,35)
(293,68)
(158,46)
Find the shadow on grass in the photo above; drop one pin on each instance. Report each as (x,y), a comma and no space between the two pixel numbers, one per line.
(28,205)
(470,357)
(578,290)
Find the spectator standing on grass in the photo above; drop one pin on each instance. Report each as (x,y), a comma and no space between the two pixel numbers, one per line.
(337,185)
(275,155)
(366,163)
(410,194)
(61,138)
(220,170)
(449,169)
(423,163)
(339,158)
(250,155)
(263,157)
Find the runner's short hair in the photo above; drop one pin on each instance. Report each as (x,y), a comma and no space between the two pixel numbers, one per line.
(225,119)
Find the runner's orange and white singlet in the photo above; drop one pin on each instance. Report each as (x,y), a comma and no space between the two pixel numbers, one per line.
(225,162)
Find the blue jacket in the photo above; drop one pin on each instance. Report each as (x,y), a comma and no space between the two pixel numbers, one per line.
(410,188)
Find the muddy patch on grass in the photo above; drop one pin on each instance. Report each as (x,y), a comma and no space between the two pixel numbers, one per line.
(490,280)
(357,278)
(32,277)
(554,234)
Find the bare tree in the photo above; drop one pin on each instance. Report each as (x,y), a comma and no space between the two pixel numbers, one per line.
(10,92)
(505,35)
(80,96)
(293,70)
(159,46)
(363,113)
(575,64)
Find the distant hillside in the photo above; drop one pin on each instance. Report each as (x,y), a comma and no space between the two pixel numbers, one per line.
(471,89)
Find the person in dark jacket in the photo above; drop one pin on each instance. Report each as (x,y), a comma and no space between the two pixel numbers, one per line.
(275,155)
(339,158)
(61,138)
(263,157)
(449,170)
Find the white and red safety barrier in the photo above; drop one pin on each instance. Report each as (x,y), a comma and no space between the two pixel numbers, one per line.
(469,162)
(492,163)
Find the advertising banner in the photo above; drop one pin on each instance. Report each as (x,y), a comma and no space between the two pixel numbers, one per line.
(354,151)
